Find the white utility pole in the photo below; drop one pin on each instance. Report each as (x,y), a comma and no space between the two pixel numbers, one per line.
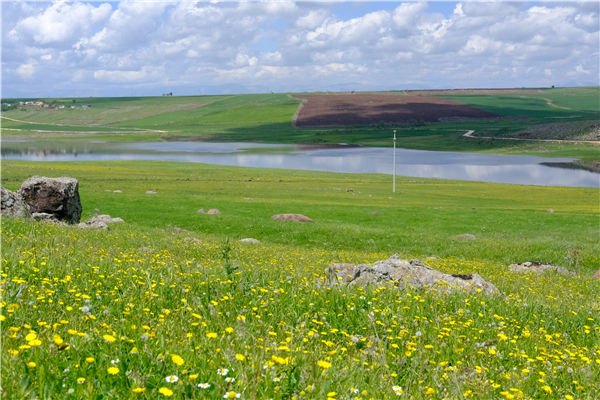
(394,184)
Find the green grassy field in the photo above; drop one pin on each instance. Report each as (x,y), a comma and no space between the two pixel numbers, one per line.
(139,311)
(267,118)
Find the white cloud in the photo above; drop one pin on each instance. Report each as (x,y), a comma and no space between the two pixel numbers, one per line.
(26,71)
(191,46)
(61,23)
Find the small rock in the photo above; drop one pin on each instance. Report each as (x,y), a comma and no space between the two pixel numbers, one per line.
(537,267)
(47,217)
(248,198)
(550,210)
(213,211)
(179,230)
(596,275)
(202,211)
(117,191)
(147,249)
(191,239)
(406,273)
(13,205)
(93,225)
(150,192)
(291,217)
(466,236)
(375,212)
(99,222)
(249,240)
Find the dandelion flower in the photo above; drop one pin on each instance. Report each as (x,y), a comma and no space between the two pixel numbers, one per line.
(109,338)
(323,364)
(240,357)
(165,391)
(177,359)
(113,370)
(31,364)
(211,335)
(89,360)
(80,380)
(138,390)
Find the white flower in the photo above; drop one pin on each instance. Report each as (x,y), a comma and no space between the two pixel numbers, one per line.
(229,379)
(204,385)
(85,309)
(172,378)
(222,371)
(418,333)
(114,361)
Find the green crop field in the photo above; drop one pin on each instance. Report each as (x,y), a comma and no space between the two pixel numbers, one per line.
(170,304)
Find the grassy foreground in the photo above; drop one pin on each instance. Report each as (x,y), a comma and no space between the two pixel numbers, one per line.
(140,311)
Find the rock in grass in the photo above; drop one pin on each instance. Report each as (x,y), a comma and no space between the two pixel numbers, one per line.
(406,273)
(596,275)
(466,236)
(537,267)
(249,240)
(13,205)
(151,192)
(56,196)
(47,217)
(99,222)
(211,211)
(291,217)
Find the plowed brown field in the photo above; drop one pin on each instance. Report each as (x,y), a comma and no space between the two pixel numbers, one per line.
(364,109)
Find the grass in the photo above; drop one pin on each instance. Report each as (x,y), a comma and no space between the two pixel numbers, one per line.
(267,118)
(139,311)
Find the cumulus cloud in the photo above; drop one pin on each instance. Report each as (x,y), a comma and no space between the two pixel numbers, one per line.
(141,47)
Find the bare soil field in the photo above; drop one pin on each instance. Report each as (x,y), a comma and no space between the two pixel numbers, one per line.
(365,109)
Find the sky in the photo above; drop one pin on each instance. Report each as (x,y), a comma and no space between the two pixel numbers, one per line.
(151,47)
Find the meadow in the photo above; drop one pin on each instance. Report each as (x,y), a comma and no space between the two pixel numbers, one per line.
(146,310)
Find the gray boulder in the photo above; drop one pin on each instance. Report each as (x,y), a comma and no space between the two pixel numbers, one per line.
(47,217)
(291,217)
(466,236)
(13,205)
(537,267)
(406,273)
(99,222)
(56,196)
(249,240)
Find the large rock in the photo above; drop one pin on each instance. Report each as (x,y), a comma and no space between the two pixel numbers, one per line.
(13,205)
(405,273)
(56,196)
(537,267)
(291,217)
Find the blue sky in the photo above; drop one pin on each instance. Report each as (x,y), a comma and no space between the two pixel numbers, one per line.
(133,48)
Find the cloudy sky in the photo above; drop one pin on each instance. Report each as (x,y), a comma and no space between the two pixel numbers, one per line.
(103,48)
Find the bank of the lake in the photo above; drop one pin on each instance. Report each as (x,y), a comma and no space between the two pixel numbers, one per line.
(514,169)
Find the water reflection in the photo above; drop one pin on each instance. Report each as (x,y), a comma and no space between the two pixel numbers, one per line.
(416,163)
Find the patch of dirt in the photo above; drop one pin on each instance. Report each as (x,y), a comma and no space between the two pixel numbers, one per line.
(365,109)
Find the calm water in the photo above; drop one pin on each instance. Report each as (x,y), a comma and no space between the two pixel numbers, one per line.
(526,170)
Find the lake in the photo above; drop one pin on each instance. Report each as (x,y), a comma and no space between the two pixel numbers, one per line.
(527,170)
